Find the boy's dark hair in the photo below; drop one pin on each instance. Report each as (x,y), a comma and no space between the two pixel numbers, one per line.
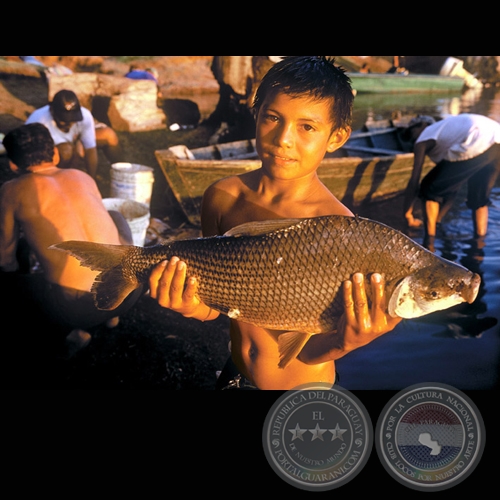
(317,76)
(29,145)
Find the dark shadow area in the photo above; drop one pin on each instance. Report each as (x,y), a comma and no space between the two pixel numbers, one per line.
(379,176)
(181,111)
(353,184)
(32,91)
(8,123)
(100,109)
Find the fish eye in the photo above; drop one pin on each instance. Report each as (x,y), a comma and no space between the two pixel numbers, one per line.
(434,295)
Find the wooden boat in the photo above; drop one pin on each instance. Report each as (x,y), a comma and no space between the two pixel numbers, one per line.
(407,83)
(373,165)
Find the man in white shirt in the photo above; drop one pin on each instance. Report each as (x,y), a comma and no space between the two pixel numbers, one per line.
(75,134)
(465,148)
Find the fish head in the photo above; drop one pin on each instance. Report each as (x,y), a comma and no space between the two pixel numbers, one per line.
(434,288)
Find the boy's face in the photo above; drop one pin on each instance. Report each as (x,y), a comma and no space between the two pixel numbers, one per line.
(294,134)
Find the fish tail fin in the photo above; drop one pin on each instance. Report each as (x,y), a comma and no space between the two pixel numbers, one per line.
(290,344)
(111,287)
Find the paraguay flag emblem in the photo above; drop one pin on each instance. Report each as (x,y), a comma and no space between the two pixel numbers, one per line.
(430,436)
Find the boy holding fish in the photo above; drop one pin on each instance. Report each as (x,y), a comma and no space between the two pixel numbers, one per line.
(303,109)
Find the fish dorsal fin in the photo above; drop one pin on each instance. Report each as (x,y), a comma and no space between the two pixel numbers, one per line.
(260,228)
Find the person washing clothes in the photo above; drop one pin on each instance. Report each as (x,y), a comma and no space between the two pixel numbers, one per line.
(466,150)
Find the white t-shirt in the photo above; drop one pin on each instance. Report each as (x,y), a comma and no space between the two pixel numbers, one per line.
(83,131)
(461,137)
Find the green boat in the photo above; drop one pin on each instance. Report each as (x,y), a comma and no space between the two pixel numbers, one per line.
(374,165)
(405,83)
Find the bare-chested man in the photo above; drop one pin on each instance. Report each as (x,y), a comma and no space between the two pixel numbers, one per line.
(304,110)
(45,205)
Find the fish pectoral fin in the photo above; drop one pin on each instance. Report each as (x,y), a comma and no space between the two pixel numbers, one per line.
(290,344)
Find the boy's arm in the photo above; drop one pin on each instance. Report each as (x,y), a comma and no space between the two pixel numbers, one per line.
(359,326)
(168,282)
(212,204)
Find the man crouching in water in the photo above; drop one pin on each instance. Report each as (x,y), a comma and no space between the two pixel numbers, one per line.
(304,110)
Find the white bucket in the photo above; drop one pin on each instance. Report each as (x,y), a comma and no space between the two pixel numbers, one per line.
(130,181)
(137,215)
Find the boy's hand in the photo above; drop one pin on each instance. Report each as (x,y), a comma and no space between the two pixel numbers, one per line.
(169,288)
(360,324)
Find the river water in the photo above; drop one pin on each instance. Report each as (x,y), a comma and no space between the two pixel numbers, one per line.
(460,347)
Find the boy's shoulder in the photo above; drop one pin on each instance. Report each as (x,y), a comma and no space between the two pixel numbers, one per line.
(233,185)
(225,198)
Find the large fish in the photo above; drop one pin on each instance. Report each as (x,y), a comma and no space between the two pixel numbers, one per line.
(287,275)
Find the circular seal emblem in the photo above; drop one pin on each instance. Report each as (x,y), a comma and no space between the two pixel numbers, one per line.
(318,438)
(430,437)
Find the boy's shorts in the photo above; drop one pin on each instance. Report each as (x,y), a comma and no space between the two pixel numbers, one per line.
(443,183)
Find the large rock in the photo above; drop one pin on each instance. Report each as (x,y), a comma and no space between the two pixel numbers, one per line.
(133,104)
(136,112)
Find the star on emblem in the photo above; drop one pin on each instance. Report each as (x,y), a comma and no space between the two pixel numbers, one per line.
(317,433)
(298,433)
(338,433)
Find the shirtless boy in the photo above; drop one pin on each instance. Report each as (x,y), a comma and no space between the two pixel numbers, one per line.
(303,109)
(45,205)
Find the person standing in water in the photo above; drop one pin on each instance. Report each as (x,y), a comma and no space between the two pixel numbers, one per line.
(466,150)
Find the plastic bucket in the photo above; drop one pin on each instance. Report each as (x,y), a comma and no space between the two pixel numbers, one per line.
(130,181)
(136,214)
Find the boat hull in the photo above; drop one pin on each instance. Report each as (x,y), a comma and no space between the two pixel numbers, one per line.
(369,168)
(397,83)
